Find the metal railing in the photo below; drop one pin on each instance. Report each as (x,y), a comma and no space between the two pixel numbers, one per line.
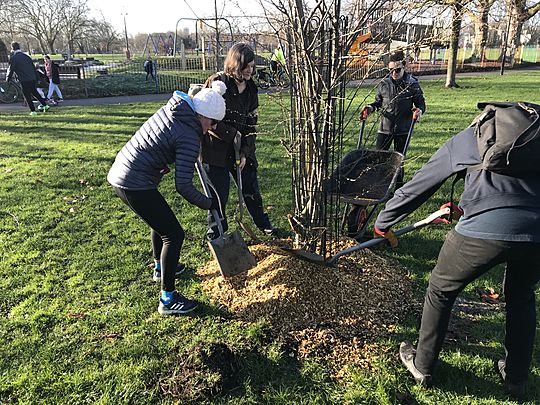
(115,77)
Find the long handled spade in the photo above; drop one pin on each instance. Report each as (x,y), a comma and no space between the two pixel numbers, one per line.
(315,258)
(229,250)
(241,203)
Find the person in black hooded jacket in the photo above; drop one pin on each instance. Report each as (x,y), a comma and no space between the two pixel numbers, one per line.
(499,222)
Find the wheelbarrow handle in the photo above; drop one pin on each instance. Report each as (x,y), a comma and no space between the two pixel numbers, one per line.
(409,134)
(361,137)
(205,181)
(372,242)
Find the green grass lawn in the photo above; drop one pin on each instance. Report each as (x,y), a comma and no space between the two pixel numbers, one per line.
(78,319)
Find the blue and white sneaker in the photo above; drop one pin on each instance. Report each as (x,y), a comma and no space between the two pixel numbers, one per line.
(179,270)
(177,305)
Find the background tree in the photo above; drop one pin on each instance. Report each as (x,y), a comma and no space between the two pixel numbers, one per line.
(101,36)
(457,8)
(41,19)
(75,21)
(478,11)
(519,11)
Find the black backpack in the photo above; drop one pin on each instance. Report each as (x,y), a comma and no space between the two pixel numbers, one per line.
(508,137)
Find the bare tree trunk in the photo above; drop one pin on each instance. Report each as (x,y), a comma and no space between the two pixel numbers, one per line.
(481,28)
(457,17)
(520,13)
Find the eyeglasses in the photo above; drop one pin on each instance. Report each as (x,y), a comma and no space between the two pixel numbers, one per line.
(397,70)
(214,122)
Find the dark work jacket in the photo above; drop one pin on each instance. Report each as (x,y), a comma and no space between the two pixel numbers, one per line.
(21,64)
(171,135)
(55,73)
(396,101)
(241,116)
(483,190)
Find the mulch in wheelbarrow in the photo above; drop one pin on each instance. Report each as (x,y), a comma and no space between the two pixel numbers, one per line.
(337,313)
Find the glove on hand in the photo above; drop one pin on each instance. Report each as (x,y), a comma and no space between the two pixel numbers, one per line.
(365,112)
(388,235)
(417,114)
(455,211)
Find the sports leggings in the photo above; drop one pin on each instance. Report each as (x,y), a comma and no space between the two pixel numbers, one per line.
(167,235)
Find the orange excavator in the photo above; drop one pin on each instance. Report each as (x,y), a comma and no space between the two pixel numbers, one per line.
(358,53)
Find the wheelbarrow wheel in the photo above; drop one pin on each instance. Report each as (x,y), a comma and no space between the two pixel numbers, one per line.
(356,221)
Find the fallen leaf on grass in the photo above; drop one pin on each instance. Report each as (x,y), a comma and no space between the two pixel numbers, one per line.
(111,336)
(9,170)
(489,295)
(76,315)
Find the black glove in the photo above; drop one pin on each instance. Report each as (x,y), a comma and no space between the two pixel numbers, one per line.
(214,205)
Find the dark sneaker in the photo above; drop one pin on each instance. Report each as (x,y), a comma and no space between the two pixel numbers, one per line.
(179,270)
(407,353)
(516,390)
(178,305)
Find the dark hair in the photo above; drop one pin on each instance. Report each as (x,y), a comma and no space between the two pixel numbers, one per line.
(15,46)
(238,57)
(397,56)
(47,57)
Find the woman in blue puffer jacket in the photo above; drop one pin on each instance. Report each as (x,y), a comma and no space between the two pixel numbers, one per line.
(171,135)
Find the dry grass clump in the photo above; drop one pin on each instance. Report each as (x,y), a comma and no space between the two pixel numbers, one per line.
(332,312)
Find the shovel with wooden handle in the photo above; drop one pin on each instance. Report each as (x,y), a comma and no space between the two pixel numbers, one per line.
(241,203)
(229,250)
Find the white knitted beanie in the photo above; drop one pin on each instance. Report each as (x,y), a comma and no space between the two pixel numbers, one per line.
(210,102)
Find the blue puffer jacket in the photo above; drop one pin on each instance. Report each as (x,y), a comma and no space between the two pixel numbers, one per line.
(171,135)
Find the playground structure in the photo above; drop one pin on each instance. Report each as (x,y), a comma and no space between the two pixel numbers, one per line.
(208,43)
(159,45)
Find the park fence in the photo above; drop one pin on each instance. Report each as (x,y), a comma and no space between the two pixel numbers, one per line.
(88,77)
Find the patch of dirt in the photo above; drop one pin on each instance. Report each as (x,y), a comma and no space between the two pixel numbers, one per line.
(335,313)
(204,373)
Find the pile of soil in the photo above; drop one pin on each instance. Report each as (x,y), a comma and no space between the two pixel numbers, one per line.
(336,313)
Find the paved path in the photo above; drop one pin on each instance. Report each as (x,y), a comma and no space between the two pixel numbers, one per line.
(95,101)
(163,97)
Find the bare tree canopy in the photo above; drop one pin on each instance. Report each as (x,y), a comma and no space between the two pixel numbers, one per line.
(100,35)
(75,20)
(48,20)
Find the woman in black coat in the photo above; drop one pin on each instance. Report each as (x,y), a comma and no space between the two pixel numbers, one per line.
(239,123)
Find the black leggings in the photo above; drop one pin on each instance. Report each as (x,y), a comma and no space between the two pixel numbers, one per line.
(167,234)
(29,90)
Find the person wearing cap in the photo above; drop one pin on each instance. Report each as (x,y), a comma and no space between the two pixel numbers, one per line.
(240,122)
(171,135)
(397,96)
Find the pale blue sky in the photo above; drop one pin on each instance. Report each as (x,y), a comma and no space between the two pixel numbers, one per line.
(162,15)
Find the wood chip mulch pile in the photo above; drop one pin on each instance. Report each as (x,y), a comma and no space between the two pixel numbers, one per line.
(335,313)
